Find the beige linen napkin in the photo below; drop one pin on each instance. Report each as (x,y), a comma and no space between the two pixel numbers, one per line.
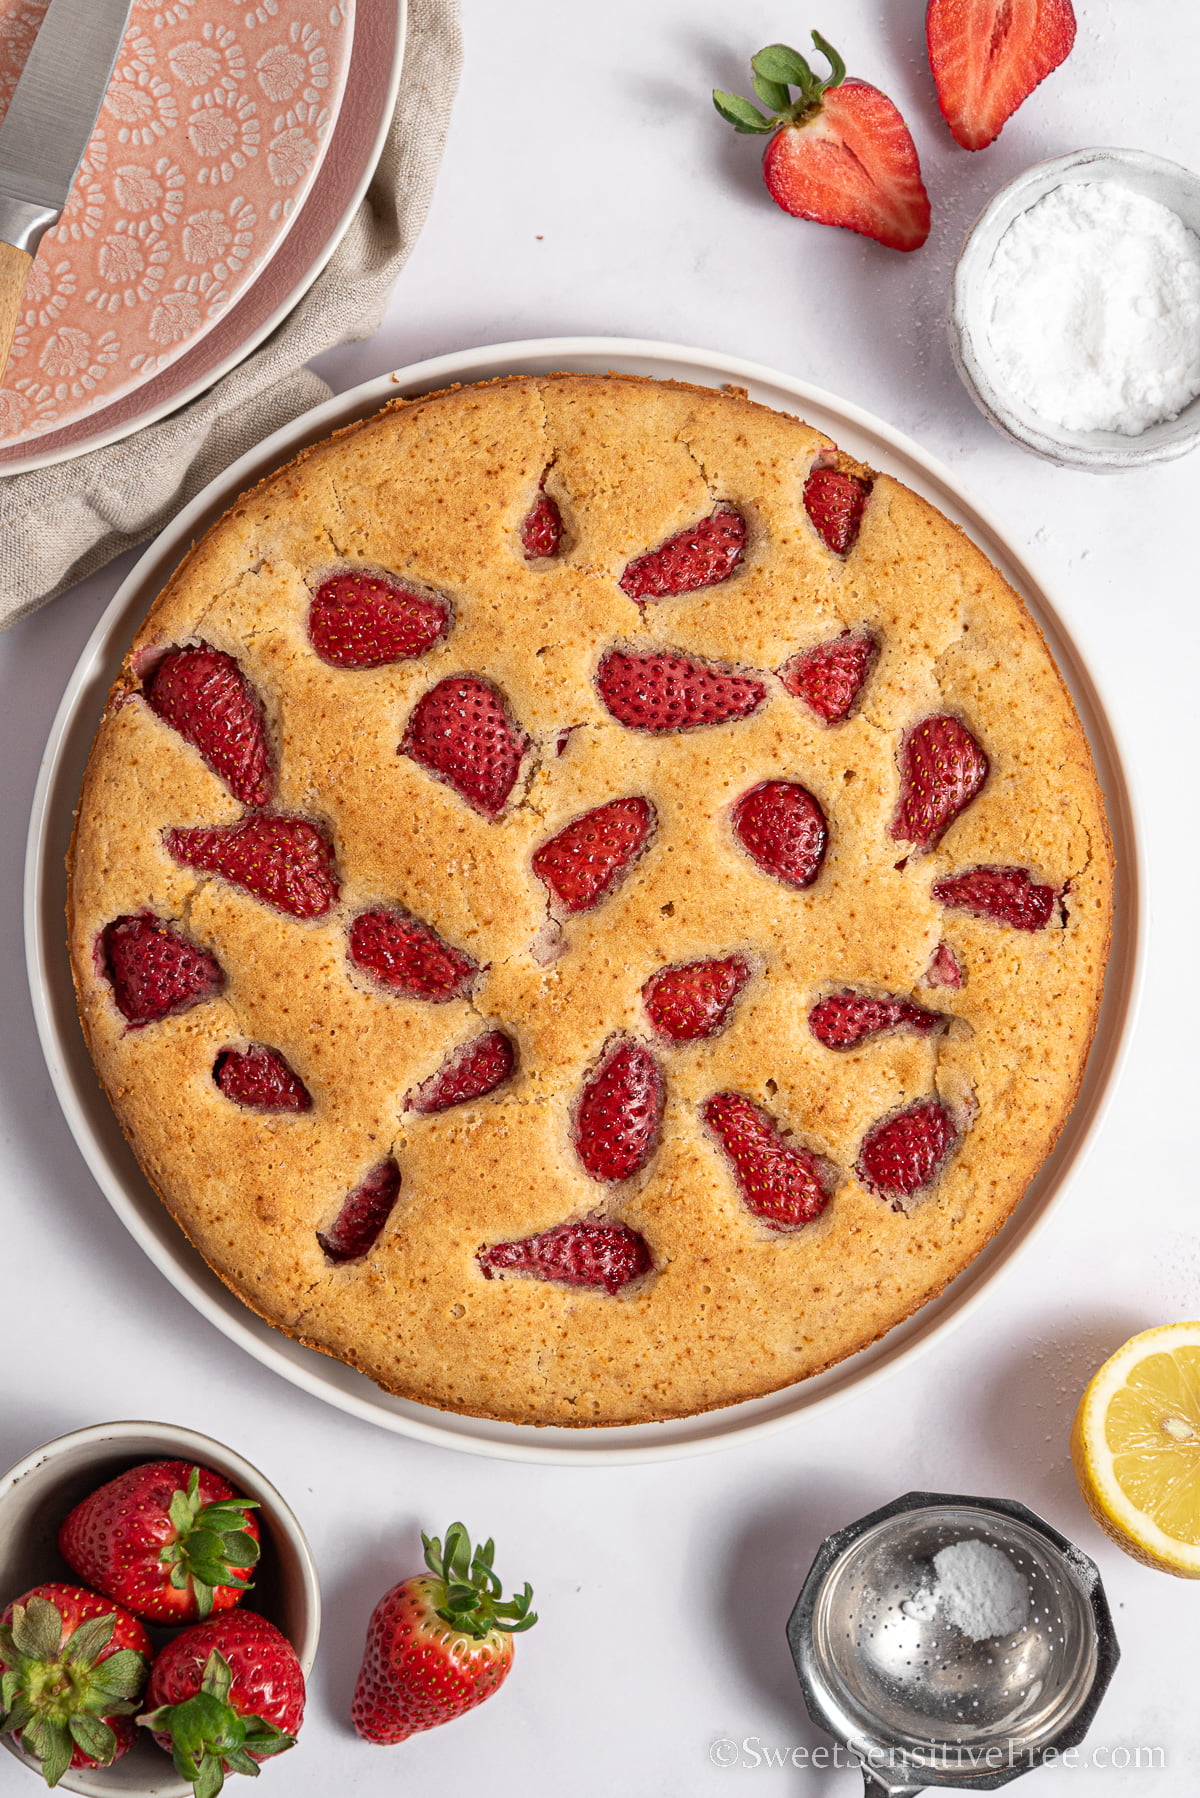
(60,523)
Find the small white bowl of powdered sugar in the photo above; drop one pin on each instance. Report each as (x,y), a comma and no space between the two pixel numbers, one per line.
(1075,310)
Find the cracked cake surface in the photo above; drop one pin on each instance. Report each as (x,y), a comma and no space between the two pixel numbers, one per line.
(569,930)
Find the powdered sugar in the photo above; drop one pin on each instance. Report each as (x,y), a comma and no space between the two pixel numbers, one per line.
(1092,308)
(976,1590)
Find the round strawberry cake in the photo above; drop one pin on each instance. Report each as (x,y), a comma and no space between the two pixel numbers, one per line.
(589,904)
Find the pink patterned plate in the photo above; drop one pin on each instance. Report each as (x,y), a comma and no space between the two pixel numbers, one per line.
(212,133)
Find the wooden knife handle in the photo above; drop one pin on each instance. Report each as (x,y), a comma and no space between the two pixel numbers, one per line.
(14,270)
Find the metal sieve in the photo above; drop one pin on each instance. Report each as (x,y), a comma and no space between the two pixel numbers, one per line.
(917,1702)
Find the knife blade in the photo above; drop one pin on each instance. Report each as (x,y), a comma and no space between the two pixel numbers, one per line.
(45,132)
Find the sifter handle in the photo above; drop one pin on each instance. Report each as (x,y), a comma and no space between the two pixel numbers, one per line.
(14,271)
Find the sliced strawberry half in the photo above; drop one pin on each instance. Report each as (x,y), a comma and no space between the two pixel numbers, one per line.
(357,1226)
(203,694)
(620,1113)
(943,969)
(409,958)
(584,862)
(781,1182)
(154,970)
(829,676)
(840,153)
(260,1079)
(903,1154)
(1006,895)
(461,733)
(781,827)
(363,620)
(473,1071)
(542,529)
(844,1020)
(703,555)
(987,57)
(661,691)
(695,1000)
(596,1251)
(285,862)
(942,768)
(835,503)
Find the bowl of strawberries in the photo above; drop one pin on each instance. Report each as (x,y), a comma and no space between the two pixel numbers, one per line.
(159,1613)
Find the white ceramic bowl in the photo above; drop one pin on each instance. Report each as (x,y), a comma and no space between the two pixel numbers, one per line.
(36,1495)
(1165,182)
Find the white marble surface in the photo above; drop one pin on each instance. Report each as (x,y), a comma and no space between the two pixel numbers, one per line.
(588,187)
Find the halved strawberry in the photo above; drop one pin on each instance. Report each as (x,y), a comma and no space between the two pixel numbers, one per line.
(408,957)
(154,970)
(781,1182)
(703,555)
(285,862)
(844,1020)
(943,969)
(781,827)
(620,1113)
(461,733)
(203,694)
(363,1214)
(695,1000)
(942,768)
(584,862)
(260,1079)
(840,154)
(541,532)
(1007,895)
(476,1069)
(835,502)
(987,57)
(596,1251)
(902,1154)
(363,620)
(829,676)
(661,691)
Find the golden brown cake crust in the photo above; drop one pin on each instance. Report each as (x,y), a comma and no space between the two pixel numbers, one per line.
(435,491)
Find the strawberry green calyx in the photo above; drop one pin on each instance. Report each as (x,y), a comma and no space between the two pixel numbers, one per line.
(211,1541)
(777,70)
(55,1694)
(209,1736)
(468,1597)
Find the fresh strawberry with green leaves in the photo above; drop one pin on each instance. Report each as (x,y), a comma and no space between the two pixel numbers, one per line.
(472,1072)
(223,1696)
(839,154)
(203,694)
(461,733)
(285,862)
(782,1183)
(542,528)
(591,1251)
(438,1643)
(845,1019)
(942,769)
(987,56)
(829,676)
(409,958)
(154,970)
(588,857)
(782,827)
(1004,895)
(74,1669)
(835,502)
(660,691)
(619,1115)
(702,555)
(363,1213)
(260,1079)
(362,620)
(169,1540)
(687,1003)
(902,1154)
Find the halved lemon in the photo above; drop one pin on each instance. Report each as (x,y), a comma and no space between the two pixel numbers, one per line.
(1135,1446)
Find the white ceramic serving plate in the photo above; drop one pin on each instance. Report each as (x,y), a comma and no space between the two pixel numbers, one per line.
(36,1495)
(96,1129)
(368,103)
(1102,451)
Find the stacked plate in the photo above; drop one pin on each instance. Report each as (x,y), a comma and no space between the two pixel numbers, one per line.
(234,145)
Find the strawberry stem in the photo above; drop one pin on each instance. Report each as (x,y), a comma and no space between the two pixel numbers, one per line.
(209,1735)
(55,1695)
(776,70)
(471,1589)
(210,1542)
